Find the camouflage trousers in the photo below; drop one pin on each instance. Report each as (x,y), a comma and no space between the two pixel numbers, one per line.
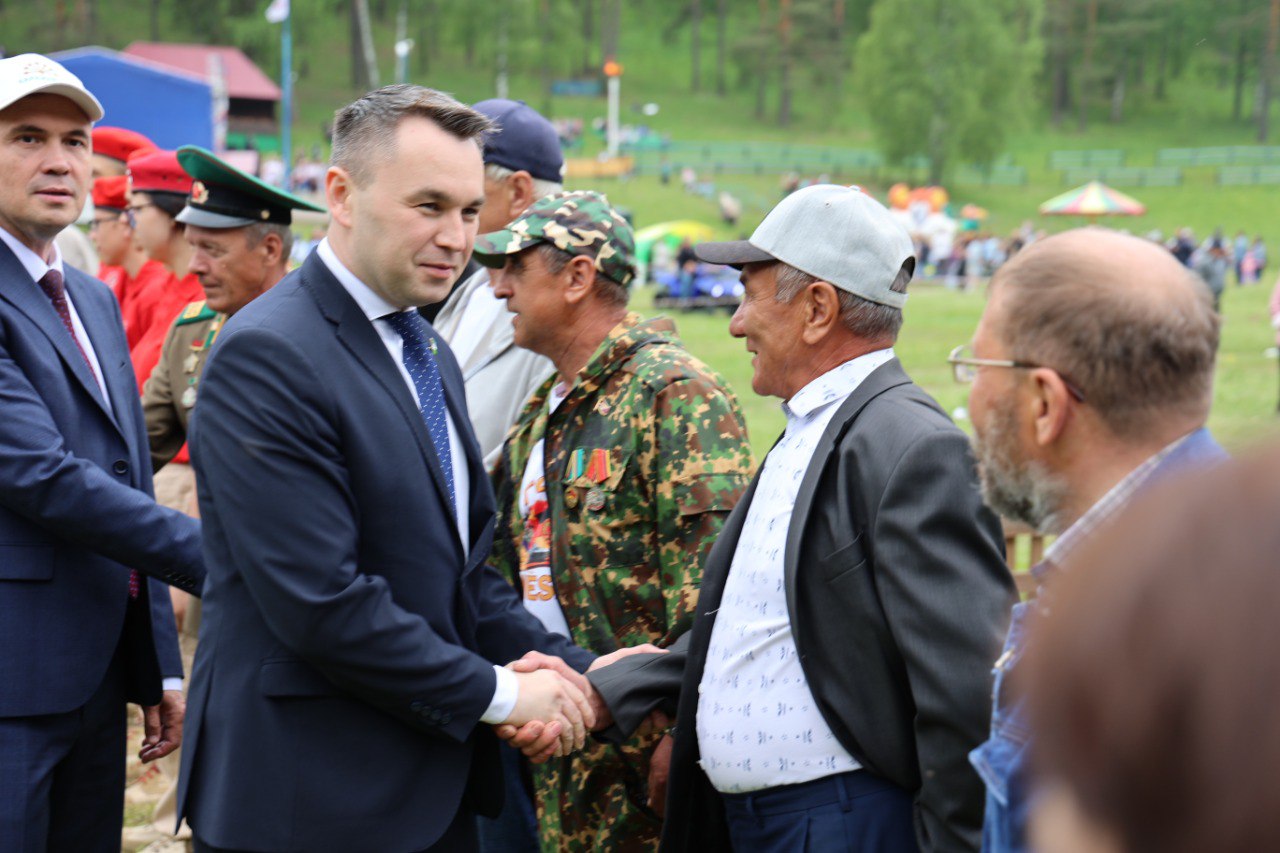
(596,800)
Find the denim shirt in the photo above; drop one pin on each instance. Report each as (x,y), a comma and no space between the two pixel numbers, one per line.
(1003,760)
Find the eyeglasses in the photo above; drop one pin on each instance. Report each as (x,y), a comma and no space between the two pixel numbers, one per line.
(131,213)
(99,221)
(965,368)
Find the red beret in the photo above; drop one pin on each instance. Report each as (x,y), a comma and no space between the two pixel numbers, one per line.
(158,171)
(109,193)
(119,144)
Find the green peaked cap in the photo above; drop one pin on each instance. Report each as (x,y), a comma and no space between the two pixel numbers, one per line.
(225,197)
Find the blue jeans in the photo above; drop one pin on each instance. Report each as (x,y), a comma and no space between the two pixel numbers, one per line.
(1002,760)
(848,811)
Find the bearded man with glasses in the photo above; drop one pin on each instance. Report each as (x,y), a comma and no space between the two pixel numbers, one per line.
(1091,376)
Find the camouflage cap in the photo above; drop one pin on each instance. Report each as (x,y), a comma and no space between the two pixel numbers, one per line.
(581,222)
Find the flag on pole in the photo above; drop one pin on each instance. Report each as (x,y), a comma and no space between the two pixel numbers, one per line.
(278,11)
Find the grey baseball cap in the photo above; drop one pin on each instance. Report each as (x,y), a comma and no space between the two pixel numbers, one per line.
(837,234)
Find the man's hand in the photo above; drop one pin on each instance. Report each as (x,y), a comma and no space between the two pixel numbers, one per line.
(539,741)
(179,600)
(659,770)
(162,726)
(548,697)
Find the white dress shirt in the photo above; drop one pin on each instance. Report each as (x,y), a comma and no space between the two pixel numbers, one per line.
(36,268)
(375,308)
(758,725)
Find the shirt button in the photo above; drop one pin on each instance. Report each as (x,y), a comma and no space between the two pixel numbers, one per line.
(120,467)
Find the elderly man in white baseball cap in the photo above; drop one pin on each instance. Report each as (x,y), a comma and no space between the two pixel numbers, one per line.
(82,632)
(837,673)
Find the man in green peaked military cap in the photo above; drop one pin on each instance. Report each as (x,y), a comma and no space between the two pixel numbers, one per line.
(612,485)
(238,228)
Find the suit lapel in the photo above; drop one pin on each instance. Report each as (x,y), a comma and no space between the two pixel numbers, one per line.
(26,296)
(886,376)
(455,397)
(357,334)
(113,358)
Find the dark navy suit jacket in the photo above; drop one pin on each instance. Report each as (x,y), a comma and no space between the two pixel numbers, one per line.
(347,640)
(76,509)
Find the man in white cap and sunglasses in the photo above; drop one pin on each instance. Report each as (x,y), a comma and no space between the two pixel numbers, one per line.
(837,672)
(82,632)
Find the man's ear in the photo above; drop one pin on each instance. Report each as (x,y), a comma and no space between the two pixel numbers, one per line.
(1051,405)
(520,194)
(821,311)
(580,279)
(338,192)
(273,248)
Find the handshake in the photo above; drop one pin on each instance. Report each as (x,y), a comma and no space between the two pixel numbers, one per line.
(557,706)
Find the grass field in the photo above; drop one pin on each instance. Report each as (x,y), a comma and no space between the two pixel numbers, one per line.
(1244,411)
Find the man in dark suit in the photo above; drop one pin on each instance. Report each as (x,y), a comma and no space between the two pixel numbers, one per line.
(352,637)
(81,632)
(836,674)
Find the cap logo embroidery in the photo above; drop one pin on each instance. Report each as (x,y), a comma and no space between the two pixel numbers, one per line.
(199,192)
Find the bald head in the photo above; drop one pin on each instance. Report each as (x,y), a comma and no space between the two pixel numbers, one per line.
(1132,327)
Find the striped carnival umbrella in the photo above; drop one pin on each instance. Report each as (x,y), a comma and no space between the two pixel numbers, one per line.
(1094,199)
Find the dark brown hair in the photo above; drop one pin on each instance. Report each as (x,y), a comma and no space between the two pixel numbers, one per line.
(1153,682)
(364,131)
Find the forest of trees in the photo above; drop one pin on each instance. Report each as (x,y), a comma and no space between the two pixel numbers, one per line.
(940,78)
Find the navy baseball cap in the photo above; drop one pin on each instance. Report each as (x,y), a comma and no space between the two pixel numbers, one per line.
(524,140)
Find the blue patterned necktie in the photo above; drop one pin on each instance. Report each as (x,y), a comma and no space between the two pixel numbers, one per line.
(421,364)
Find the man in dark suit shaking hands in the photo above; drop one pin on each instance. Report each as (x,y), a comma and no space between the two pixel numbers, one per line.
(836,674)
(82,632)
(352,635)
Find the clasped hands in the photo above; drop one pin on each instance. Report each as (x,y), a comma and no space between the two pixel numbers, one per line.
(557,706)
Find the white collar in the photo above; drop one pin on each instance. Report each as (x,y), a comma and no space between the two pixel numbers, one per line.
(31,262)
(373,305)
(836,384)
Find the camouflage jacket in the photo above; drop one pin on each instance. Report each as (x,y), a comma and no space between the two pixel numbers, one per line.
(644,459)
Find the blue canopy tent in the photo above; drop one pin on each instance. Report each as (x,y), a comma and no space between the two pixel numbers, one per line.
(170,107)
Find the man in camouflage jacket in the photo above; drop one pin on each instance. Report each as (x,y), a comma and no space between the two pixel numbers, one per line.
(611,487)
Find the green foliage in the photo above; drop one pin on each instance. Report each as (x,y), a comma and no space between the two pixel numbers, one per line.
(944,79)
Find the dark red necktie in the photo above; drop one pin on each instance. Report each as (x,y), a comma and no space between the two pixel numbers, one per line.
(54,288)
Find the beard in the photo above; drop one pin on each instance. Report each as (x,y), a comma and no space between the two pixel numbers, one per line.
(1016,488)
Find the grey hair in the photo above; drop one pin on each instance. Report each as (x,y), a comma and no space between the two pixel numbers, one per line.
(258,231)
(541,188)
(613,294)
(364,130)
(862,317)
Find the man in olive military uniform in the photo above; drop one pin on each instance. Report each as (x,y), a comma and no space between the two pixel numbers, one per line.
(238,228)
(611,487)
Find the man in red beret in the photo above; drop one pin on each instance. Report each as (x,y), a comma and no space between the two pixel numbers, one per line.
(123,260)
(112,148)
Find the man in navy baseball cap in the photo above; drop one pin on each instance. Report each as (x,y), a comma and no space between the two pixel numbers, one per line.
(524,141)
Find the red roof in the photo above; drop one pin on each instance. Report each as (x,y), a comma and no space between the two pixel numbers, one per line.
(242,77)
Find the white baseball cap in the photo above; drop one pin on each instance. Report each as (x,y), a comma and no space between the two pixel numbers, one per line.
(33,74)
(836,234)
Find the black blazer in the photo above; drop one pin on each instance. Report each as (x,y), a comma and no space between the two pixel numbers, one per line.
(346,641)
(76,511)
(899,599)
